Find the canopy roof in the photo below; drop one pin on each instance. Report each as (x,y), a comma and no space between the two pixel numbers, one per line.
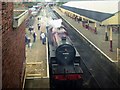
(96,10)
(106,6)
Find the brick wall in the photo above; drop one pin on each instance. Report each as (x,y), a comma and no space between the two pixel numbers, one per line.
(13,49)
(0,48)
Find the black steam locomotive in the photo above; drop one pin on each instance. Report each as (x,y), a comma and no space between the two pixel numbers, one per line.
(64,60)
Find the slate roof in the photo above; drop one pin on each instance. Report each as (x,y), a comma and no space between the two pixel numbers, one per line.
(95,15)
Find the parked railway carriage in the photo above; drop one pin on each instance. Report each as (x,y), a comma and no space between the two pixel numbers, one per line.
(64,60)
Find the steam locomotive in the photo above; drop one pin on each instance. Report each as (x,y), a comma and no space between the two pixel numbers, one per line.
(64,60)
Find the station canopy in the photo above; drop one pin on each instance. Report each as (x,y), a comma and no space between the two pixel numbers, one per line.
(96,10)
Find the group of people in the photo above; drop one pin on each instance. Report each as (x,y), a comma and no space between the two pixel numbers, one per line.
(42,34)
(28,40)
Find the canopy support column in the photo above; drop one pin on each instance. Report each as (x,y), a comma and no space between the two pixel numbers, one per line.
(111,49)
(106,36)
(95,30)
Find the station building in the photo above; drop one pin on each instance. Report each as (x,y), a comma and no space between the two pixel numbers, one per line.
(94,14)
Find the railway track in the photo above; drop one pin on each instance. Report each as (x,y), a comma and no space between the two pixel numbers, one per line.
(98,71)
(89,81)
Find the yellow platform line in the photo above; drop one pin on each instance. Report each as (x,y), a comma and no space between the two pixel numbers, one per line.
(31,75)
(30,63)
(24,80)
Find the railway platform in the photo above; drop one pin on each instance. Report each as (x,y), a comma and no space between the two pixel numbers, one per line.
(37,69)
(96,40)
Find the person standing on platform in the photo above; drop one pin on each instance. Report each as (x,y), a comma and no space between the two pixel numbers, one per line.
(29,40)
(38,18)
(47,28)
(26,39)
(34,36)
(30,45)
(38,26)
(31,28)
(43,37)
